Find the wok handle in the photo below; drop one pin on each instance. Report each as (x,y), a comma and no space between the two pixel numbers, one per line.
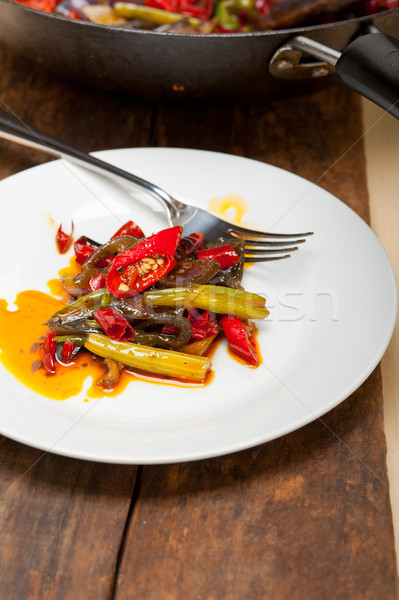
(370,65)
(14,129)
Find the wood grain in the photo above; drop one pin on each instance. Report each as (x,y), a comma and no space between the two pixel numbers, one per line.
(62,522)
(306,516)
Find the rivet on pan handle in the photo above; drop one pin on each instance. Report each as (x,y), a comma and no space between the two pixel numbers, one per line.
(293,60)
(369,65)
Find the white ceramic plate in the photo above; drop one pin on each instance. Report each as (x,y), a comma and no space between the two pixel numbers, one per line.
(333,309)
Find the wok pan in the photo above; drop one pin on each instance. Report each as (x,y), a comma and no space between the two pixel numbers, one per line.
(153,64)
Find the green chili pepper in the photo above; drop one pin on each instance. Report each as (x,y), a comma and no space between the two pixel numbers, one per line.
(78,340)
(105,299)
(73,317)
(87,301)
(231,13)
(217,299)
(227,19)
(149,13)
(153,360)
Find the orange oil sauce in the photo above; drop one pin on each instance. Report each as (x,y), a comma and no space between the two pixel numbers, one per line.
(22,331)
(233,208)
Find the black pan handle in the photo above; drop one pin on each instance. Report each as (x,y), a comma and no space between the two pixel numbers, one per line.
(370,65)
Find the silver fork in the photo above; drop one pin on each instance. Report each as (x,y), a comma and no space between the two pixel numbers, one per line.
(260,246)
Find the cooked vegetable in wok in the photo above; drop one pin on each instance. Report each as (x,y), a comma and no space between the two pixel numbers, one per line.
(156,304)
(211,16)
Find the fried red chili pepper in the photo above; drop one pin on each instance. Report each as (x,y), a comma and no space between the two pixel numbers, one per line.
(189,8)
(188,245)
(140,267)
(114,324)
(67,350)
(45,5)
(203,324)
(240,334)
(47,353)
(96,283)
(83,248)
(226,256)
(63,240)
(129,228)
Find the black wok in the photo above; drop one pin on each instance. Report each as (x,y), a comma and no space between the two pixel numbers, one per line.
(158,64)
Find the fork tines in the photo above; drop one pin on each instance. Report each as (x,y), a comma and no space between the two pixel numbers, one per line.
(237,231)
(261,246)
(267,254)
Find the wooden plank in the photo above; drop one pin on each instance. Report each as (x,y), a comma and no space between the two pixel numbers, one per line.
(305,516)
(62,522)
(85,118)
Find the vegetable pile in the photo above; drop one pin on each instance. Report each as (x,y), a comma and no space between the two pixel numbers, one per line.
(211,16)
(156,304)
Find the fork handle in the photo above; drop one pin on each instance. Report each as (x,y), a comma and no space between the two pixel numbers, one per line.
(15,130)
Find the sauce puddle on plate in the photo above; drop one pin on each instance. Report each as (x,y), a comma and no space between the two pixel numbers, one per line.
(230,207)
(22,331)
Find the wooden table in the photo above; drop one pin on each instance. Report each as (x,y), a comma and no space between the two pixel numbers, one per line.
(307,516)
